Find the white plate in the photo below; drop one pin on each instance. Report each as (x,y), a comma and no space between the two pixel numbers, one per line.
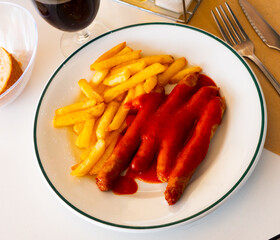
(233,153)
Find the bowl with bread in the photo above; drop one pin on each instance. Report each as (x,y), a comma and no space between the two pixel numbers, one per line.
(18,46)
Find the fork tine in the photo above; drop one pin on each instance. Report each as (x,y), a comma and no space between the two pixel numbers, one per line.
(229,23)
(240,28)
(226,26)
(220,28)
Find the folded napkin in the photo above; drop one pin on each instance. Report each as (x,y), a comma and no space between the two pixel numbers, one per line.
(173,5)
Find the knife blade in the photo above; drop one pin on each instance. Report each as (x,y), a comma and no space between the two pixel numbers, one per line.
(267,34)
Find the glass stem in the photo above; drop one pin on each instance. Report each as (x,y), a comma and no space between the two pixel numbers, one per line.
(83,36)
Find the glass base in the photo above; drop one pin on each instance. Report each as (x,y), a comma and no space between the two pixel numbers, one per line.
(71,41)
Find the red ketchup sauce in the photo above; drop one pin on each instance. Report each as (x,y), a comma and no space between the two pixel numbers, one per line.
(205,81)
(126,184)
(149,176)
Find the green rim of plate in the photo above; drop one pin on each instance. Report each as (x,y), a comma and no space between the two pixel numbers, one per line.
(200,213)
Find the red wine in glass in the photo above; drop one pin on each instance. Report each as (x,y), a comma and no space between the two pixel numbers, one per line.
(71,16)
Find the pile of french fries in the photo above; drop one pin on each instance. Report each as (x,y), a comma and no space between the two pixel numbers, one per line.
(119,75)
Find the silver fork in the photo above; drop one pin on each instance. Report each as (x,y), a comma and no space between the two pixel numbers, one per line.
(235,36)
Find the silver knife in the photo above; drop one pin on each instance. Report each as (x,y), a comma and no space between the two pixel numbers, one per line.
(267,34)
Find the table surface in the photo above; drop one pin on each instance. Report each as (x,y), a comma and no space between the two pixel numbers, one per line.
(29,210)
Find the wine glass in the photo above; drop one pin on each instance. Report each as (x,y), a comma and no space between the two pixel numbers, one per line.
(74,17)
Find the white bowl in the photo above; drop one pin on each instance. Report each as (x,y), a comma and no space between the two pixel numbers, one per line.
(19,36)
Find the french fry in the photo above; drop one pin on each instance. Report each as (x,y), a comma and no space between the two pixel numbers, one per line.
(139,77)
(139,89)
(124,51)
(149,60)
(110,143)
(96,168)
(98,77)
(75,106)
(86,165)
(83,140)
(78,127)
(93,136)
(130,95)
(75,166)
(150,83)
(108,140)
(122,112)
(173,69)
(88,90)
(166,65)
(85,153)
(117,78)
(100,89)
(106,119)
(115,60)
(110,53)
(78,116)
(177,77)
(124,64)
(132,67)
(121,97)
(115,133)
(158,89)
(157,59)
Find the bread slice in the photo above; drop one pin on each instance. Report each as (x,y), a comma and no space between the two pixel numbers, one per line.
(10,70)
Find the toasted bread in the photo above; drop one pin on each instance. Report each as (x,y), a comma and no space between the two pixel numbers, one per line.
(10,70)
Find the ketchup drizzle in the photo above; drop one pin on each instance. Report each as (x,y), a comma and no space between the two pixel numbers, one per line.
(126,184)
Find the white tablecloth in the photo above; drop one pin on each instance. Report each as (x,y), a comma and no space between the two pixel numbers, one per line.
(29,210)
